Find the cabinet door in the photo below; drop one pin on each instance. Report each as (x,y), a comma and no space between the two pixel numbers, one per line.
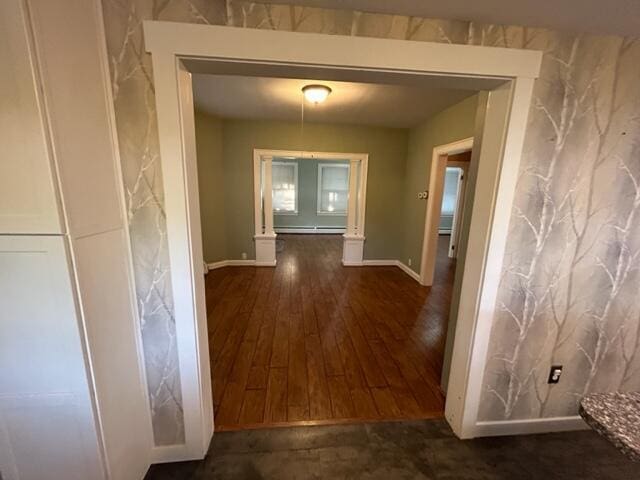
(47,426)
(28,199)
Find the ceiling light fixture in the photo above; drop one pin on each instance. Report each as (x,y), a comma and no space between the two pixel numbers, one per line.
(316,93)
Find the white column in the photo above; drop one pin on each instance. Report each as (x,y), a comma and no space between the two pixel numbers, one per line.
(267,192)
(353,243)
(266,241)
(353,197)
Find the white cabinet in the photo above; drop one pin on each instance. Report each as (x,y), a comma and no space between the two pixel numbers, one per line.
(73,401)
(28,198)
(47,428)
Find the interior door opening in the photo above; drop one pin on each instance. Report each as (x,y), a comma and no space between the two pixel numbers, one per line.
(505,74)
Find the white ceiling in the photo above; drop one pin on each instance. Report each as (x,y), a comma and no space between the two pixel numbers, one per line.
(597,16)
(400,106)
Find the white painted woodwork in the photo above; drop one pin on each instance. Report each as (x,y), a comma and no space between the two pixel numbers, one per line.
(500,152)
(252,46)
(458,212)
(352,250)
(267,194)
(28,197)
(434,205)
(111,330)
(353,196)
(75,80)
(47,426)
(256,51)
(263,208)
(204,415)
(184,241)
(265,250)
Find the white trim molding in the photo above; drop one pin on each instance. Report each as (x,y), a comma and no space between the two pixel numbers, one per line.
(352,249)
(353,245)
(231,263)
(364,263)
(507,74)
(311,230)
(529,426)
(434,203)
(391,263)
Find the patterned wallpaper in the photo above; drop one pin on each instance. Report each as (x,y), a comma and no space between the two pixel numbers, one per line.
(571,268)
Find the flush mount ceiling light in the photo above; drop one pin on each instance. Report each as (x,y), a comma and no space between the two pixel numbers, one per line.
(316,93)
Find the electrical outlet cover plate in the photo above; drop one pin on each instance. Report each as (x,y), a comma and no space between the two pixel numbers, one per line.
(554,374)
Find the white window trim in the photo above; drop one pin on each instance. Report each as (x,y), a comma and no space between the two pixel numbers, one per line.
(295,175)
(322,166)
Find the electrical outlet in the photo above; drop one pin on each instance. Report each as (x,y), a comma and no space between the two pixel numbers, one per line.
(244,255)
(409,262)
(554,374)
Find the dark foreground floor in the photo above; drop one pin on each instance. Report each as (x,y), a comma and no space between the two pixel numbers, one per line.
(401,450)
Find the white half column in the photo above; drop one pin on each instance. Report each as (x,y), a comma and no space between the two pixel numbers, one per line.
(353,243)
(266,242)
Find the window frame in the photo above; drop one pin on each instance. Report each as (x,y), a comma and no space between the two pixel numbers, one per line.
(321,166)
(295,182)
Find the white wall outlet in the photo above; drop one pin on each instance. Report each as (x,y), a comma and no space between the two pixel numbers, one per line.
(244,255)
(409,262)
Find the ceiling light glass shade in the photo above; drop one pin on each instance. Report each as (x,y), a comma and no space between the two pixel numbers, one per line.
(316,93)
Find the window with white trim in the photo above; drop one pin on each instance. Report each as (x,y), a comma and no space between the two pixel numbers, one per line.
(284,182)
(333,188)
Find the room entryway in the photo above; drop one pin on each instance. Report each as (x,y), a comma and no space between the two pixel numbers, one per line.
(313,341)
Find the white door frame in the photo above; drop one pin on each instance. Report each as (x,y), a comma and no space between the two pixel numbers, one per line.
(265,236)
(458,210)
(434,202)
(176,47)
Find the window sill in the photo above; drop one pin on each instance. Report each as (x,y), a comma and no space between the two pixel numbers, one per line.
(288,214)
(332,214)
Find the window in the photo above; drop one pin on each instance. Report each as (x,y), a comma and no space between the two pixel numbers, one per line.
(284,181)
(333,189)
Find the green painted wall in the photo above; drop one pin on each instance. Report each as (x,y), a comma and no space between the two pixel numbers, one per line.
(211,187)
(308,199)
(399,163)
(387,149)
(455,123)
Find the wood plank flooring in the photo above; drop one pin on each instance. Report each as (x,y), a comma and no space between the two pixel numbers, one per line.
(311,341)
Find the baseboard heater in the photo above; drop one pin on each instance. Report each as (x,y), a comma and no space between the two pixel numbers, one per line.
(310,230)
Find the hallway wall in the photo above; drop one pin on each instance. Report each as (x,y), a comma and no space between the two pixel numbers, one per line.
(455,123)
(211,187)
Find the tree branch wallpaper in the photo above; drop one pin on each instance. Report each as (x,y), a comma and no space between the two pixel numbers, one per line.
(570,281)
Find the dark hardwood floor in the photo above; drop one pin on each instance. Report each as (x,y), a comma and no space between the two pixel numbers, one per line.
(311,341)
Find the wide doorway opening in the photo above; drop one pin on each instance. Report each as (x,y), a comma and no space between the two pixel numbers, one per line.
(317,314)
(503,78)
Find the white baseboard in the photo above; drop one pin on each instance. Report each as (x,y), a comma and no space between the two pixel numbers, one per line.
(265,264)
(231,263)
(170,453)
(380,263)
(406,269)
(310,230)
(364,263)
(529,426)
(392,263)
